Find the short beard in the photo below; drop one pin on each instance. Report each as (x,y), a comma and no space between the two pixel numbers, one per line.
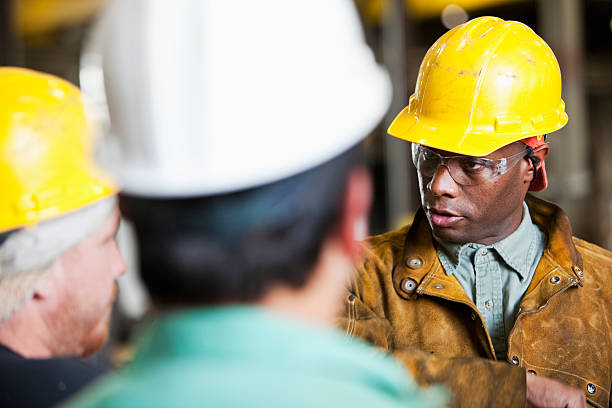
(72,336)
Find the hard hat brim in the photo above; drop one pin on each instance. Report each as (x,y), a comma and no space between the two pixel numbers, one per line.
(73,198)
(459,139)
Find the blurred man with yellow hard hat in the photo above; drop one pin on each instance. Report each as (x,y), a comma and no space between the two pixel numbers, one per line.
(487,291)
(58,256)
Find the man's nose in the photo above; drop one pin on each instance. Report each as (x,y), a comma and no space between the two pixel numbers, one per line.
(118,262)
(442,184)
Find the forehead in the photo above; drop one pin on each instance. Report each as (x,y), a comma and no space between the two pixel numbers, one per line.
(111,224)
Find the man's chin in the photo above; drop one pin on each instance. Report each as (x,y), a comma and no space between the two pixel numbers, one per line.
(449,234)
(98,336)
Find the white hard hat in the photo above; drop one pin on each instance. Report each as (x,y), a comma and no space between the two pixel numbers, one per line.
(213,96)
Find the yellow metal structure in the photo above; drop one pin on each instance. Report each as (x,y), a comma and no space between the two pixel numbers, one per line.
(481,86)
(45,150)
(432,8)
(37,17)
(375,11)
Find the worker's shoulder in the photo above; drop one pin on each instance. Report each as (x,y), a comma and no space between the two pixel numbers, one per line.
(383,252)
(592,251)
(392,240)
(596,260)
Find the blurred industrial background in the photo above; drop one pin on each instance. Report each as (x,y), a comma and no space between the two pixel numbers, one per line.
(47,35)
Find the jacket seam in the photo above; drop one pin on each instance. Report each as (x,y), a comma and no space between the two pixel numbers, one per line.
(352,318)
(522,347)
(570,374)
(375,316)
(563,289)
(429,277)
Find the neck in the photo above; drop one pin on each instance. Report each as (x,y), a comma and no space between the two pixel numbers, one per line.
(507,227)
(319,300)
(25,333)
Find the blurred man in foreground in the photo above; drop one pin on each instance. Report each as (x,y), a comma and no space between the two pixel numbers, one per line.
(486,272)
(237,131)
(58,257)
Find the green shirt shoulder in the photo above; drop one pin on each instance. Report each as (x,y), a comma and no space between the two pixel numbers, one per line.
(248,357)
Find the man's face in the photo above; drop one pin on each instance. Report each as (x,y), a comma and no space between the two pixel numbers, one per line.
(88,289)
(483,213)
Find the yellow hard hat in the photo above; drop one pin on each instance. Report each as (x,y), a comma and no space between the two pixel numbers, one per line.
(45,164)
(481,86)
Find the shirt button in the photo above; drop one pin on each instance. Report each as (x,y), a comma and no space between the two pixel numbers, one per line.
(483,251)
(489,304)
(515,360)
(591,388)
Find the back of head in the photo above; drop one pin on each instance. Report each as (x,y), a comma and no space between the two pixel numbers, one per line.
(233,134)
(235,247)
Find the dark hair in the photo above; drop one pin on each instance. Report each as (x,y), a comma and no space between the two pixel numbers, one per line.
(234,247)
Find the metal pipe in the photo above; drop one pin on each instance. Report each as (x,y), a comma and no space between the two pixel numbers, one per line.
(399,184)
(561,25)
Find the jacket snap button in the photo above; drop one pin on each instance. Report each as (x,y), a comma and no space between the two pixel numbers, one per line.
(409,285)
(438,287)
(577,270)
(591,388)
(555,279)
(351,298)
(515,360)
(415,263)
(531,372)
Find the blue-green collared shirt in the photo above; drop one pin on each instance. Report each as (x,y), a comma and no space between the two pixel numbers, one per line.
(247,356)
(496,276)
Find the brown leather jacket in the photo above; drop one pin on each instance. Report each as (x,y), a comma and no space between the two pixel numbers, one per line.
(401,300)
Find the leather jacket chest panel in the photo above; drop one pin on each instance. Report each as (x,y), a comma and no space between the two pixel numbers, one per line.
(569,338)
(441,327)
(574,348)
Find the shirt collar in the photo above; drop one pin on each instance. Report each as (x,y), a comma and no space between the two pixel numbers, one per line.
(516,249)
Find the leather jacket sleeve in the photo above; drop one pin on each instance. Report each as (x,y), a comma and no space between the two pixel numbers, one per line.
(472,381)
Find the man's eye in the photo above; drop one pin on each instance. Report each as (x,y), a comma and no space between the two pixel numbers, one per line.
(427,155)
(473,164)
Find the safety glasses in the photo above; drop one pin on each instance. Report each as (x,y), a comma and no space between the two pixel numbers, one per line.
(465,170)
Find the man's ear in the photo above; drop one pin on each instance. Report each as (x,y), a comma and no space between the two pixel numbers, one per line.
(353,221)
(540,154)
(49,285)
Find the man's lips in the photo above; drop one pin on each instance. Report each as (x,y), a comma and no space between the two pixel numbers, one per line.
(443,218)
